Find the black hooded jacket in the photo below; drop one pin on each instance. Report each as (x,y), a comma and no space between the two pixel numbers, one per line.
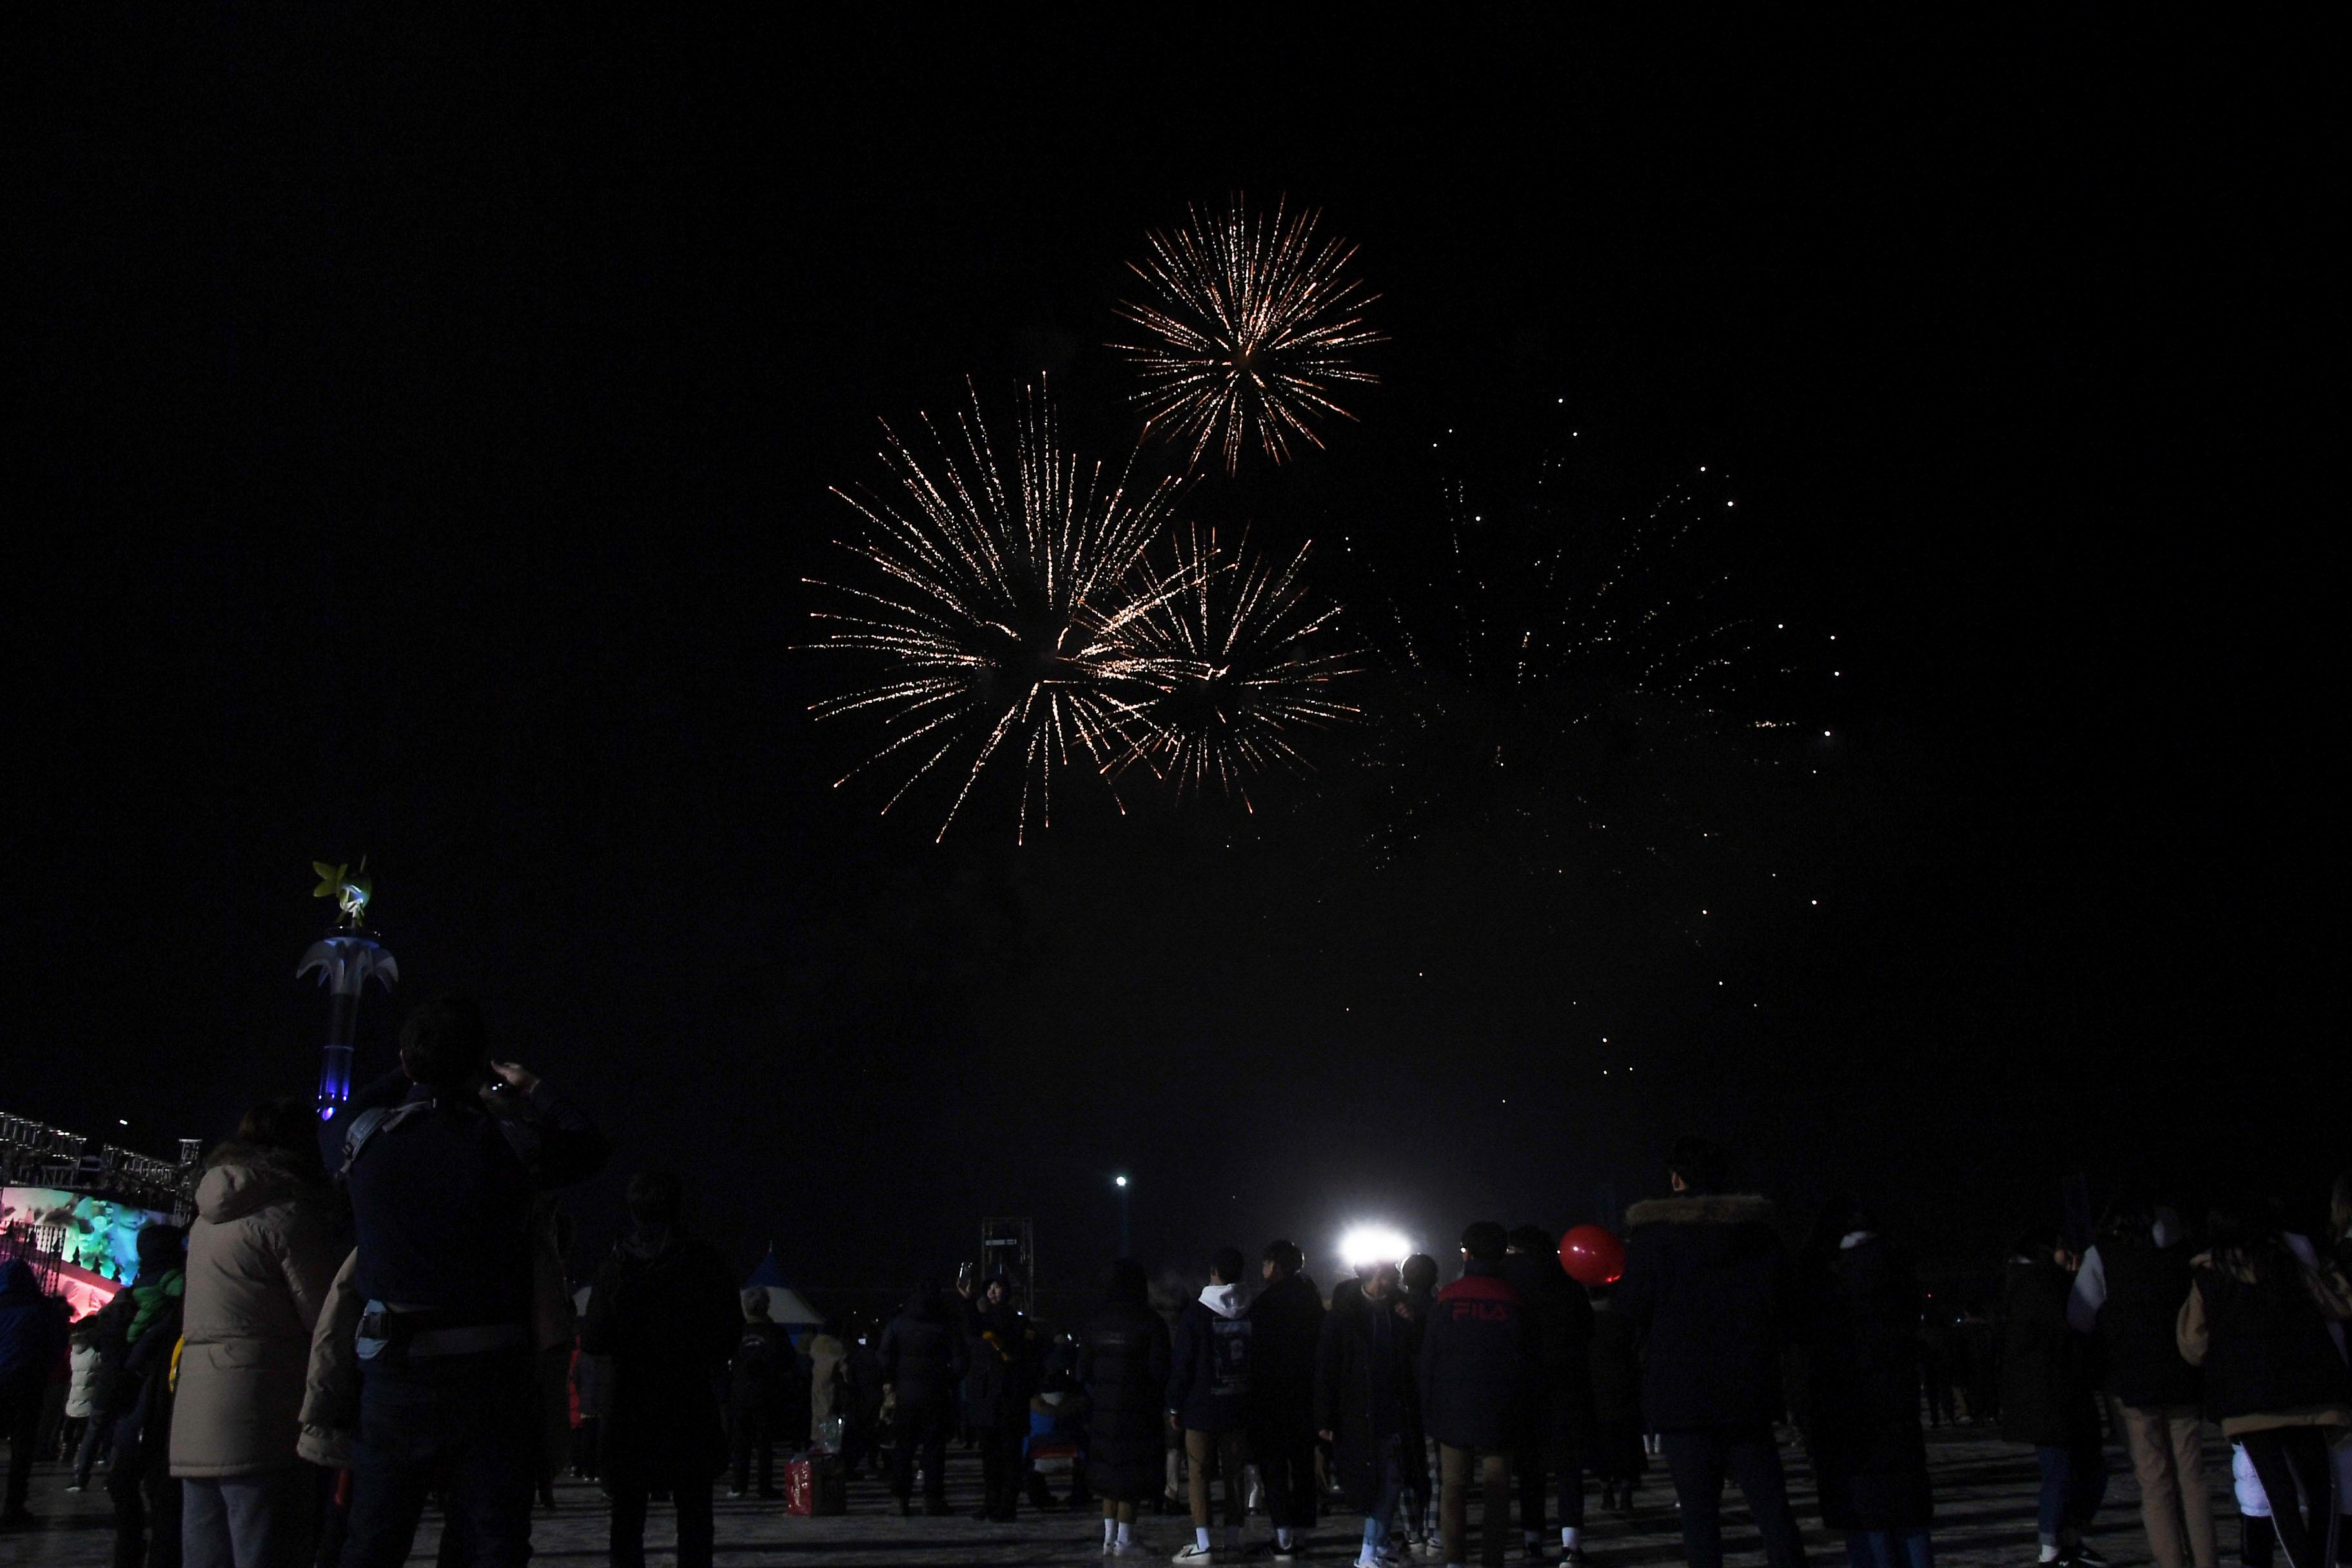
(1559,1335)
(1862,1405)
(1346,1402)
(667,1312)
(922,1354)
(1710,1287)
(2046,1373)
(1286,1333)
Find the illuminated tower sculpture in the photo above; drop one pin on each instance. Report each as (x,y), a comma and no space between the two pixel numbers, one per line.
(345,961)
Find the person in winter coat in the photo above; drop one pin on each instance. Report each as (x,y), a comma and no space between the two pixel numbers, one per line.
(1208,1381)
(82,1375)
(262,1253)
(1123,1363)
(1285,1335)
(1558,1417)
(442,1187)
(763,1359)
(1862,1405)
(1617,1454)
(32,1342)
(828,1371)
(923,1359)
(1709,1287)
(137,1332)
(1003,1356)
(2046,1391)
(664,1307)
(1368,1399)
(1416,1294)
(1477,1365)
(2257,1320)
(2128,1294)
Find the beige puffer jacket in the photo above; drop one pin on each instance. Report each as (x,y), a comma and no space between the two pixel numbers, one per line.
(262,1251)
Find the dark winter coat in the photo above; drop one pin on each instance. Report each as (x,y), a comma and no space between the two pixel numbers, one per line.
(1123,1360)
(1209,1381)
(2046,1367)
(1710,1288)
(441,1198)
(1862,1390)
(32,1333)
(1002,1350)
(764,1363)
(1559,1328)
(139,1399)
(1477,1362)
(2268,1358)
(1285,1335)
(2146,1285)
(666,1313)
(1346,1364)
(1616,1369)
(922,1354)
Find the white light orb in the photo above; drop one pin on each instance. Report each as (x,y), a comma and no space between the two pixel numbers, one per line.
(1364,1245)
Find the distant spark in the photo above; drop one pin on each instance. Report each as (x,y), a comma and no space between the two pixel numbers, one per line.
(1252,327)
(999,604)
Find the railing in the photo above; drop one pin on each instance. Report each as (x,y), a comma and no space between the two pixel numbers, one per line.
(36,1154)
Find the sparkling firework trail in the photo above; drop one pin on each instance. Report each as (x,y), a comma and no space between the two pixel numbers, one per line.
(1242,659)
(1254,324)
(1000,609)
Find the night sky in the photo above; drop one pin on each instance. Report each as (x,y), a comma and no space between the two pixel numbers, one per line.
(426,434)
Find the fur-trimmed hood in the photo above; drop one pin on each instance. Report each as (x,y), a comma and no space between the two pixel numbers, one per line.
(1701,1208)
(239,1179)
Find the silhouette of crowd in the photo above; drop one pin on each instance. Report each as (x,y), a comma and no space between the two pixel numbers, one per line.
(320,1358)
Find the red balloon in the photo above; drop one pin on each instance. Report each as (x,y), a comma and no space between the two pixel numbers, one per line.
(1591,1256)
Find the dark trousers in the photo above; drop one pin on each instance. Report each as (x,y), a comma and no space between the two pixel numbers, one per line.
(1000,1468)
(146,1509)
(752,1431)
(1529,1466)
(924,1428)
(2289,1460)
(20,1423)
(695,1531)
(1699,1461)
(466,1427)
(2073,1483)
(1286,1468)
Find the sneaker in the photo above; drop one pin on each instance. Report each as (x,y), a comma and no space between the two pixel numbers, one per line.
(2084,1554)
(79,1487)
(734,1492)
(1195,1553)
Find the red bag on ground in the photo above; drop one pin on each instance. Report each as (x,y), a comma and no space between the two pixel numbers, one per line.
(815,1487)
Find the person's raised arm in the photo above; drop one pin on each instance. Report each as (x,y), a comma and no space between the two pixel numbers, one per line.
(570,1148)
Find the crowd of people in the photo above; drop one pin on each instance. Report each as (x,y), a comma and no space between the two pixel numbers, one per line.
(317,1360)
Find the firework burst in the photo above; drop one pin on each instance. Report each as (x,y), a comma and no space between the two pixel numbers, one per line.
(1240,658)
(1000,603)
(1252,327)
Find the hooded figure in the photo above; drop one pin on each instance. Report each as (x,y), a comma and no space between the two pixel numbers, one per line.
(1862,1405)
(261,1255)
(1123,1360)
(1366,1390)
(136,1332)
(922,1360)
(32,1339)
(1207,1382)
(665,1310)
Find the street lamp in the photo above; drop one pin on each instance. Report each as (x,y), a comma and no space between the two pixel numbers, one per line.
(1120,1182)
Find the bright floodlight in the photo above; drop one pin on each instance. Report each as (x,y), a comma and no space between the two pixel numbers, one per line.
(1368,1243)
(1119,1181)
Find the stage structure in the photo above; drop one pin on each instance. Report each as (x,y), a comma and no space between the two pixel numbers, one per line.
(346,961)
(1009,1246)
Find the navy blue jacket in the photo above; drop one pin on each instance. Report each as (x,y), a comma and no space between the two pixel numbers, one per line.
(32,1328)
(1477,1362)
(1209,1381)
(1712,1290)
(439,1200)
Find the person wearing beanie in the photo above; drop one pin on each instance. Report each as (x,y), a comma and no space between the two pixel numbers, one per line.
(1285,1334)
(1477,1365)
(1123,1363)
(1207,1384)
